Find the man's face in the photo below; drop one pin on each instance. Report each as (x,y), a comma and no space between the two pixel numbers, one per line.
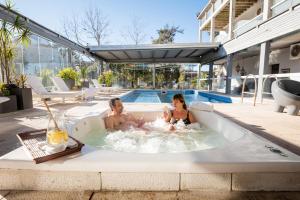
(118,107)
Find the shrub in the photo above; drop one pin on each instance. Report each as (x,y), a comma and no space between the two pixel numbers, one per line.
(68,73)
(107,78)
(4,90)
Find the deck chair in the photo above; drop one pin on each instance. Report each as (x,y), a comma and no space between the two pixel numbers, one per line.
(35,83)
(102,88)
(3,99)
(61,86)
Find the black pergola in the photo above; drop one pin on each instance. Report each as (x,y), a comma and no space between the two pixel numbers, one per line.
(153,53)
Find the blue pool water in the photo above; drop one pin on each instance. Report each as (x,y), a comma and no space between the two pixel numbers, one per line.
(155,96)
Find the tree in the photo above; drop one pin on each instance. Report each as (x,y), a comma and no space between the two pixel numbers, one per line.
(167,34)
(135,33)
(96,24)
(72,29)
(10,36)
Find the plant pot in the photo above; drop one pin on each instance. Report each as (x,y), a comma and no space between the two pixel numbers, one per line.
(70,83)
(9,106)
(24,97)
(85,84)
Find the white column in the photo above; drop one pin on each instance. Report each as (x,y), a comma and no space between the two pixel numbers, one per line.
(231,19)
(263,64)
(199,32)
(153,76)
(212,29)
(266,9)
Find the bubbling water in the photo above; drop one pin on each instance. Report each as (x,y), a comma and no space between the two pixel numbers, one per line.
(155,137)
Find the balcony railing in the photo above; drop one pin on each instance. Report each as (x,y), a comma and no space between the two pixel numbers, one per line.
(283,6)
(248,25)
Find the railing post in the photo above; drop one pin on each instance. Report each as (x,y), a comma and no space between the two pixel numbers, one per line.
(266,9)
(212,29)
(231,18)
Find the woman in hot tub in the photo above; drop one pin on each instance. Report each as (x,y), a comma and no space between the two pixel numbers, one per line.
(180,112)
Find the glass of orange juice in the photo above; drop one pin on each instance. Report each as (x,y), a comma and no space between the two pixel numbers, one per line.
(57,135)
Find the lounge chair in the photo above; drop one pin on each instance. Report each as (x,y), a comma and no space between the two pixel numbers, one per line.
(102,88)
(3,99)
(62,87)
(37,86)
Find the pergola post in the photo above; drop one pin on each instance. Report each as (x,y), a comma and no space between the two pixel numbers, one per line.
(229,73)
(210,75)
(153,76)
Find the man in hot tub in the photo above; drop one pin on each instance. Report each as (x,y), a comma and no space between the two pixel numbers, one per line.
(117,120)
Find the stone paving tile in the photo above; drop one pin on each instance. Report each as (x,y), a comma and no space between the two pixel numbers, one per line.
(195,195)
(3,193)
(134,195)
(45,195)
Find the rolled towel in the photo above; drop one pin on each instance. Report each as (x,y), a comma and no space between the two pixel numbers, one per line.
(202,106)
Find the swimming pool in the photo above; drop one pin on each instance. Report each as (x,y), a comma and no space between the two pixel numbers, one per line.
(156,96)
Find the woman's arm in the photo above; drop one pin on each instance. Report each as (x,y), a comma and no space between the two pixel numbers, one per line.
(167,116)
(192,118)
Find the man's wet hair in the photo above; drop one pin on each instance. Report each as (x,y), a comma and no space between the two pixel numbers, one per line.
(112,102)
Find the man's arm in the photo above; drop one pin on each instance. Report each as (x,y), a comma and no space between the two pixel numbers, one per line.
(109,123)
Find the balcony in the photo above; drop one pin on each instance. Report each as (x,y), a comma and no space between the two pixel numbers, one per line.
(247,25)
(283,6)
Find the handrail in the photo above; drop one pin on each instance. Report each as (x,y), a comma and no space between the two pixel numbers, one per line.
(277,4)
(251,20)
(243,89)
(263,86)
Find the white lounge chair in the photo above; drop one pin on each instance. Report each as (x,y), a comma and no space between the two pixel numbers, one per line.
(102,88)
(37,86)
(62,87)
(3,99)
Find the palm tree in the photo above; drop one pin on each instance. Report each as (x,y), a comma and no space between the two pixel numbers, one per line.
(10,35)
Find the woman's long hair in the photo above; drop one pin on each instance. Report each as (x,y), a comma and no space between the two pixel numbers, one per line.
(181,99)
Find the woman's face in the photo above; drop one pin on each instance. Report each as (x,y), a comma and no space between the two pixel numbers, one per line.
(177,103)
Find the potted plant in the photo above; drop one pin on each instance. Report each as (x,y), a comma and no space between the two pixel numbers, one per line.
(11,104)
(69,75)
(23,94)
(83,72)
(11,34)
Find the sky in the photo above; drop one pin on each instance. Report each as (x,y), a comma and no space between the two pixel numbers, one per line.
(153,14)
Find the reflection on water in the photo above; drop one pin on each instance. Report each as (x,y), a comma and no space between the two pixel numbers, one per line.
(157,138)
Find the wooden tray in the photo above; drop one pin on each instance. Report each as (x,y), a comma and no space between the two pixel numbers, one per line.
(32,139)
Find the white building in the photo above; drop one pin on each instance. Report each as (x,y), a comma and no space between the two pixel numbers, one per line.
(259,37)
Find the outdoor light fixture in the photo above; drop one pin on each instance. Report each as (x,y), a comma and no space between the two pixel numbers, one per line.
(238,68)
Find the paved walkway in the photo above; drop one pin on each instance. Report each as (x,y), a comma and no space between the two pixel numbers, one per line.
(281,128)
(182,195)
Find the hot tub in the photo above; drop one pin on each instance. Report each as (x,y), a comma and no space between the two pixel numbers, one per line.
(246,162)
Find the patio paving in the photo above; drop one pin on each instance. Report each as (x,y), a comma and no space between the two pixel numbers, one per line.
(280,128)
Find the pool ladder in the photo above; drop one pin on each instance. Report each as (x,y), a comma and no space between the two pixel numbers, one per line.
(255,89)
(269,76)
